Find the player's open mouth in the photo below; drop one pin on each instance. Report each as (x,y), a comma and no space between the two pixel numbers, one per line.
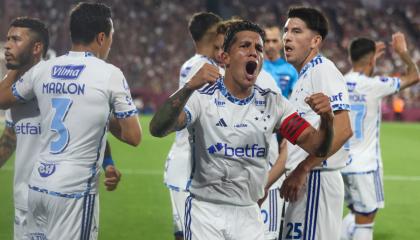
(251,67)
(288,49)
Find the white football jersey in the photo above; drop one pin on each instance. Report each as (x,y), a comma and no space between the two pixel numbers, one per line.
(366,94)
(178,163)
(319,75)
(230,141)
(25,121)
(76,94)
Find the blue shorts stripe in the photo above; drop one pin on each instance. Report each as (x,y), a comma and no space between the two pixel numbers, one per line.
(188,218)
(312,204)
(318,173)
(276,210)
(271,212)
(308,207)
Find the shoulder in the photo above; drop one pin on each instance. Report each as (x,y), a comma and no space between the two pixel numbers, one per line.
(264,91)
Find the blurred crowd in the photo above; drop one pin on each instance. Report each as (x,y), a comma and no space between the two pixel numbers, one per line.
(151,40)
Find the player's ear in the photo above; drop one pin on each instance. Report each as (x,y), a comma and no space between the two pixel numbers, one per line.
(316,41)
(226,58)
(100,38)
(37,49)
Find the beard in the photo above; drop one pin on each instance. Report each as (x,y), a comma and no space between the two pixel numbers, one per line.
(21,60)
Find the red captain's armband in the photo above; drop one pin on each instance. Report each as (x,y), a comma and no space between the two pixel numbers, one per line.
(292,127)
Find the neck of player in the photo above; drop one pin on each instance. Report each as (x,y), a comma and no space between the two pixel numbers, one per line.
(235,88)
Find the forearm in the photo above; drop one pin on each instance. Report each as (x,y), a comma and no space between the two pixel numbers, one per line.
(7,145)
(278,169)
(327,132)
(166,118)
(412,73)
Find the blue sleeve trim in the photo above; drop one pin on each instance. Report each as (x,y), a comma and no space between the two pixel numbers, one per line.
(10,124)
(340,106)
(107,162)
(16,94)
(125,114)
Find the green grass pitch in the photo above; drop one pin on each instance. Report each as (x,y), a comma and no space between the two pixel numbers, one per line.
(140,207)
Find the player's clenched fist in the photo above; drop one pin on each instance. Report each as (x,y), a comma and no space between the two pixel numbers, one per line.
(320,103)
(207,74)
(398,42)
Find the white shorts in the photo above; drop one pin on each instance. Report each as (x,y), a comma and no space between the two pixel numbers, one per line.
(59,218)
(364,192)
(317,214)
(20,226)
(178,210)
(209,221)
(271,210)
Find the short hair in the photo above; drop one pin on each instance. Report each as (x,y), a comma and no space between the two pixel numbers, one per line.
(37,27)
(240,26)
(200,23)
(361,47)
(89,19)
(313,18)
(223,26)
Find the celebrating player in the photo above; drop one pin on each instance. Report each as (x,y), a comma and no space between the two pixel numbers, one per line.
(230,122)
(202,27)
(75,93)
(363,176)
(313,186)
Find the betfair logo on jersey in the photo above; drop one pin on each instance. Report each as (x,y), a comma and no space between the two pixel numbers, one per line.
(46,169)
(248,151)
(67,72)
(28,128)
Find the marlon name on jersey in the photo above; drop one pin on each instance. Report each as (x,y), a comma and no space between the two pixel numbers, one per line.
(248,151)
(65,72)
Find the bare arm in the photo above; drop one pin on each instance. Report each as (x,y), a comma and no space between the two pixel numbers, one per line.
(7,99)
(127,130)
(170,116)
(7,145)
(412,76)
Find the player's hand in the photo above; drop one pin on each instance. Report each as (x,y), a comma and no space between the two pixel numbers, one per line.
(319,103)
(380,49)
(398,43)
(260,202)
(207,74)
(112,178)
(291,189)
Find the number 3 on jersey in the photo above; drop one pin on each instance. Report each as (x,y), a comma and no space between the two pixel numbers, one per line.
(61,106)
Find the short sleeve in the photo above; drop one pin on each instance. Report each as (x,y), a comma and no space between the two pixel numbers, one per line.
(121,101)
(23,89)
(192,109)
(8,118)
(384,86)
(328,80)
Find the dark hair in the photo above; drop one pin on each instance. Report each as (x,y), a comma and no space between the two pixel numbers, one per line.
(89,19)
(200,23)
(37,27)
(223,26)
(360,47)
(240,26)
(314,19)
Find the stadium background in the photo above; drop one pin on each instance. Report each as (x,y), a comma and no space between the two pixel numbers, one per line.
(150,44)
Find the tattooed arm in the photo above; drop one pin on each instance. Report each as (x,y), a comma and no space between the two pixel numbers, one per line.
(7,145)
(170,116)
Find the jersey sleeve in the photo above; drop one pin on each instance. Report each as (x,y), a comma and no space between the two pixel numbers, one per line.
(384,86)
(8,118)
(192,108)
(121,101)
(328,80)
(23,89)
(188,71)
(290,124)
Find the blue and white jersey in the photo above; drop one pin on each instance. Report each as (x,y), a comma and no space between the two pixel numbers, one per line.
(178,163)
(283,73)
(318,75)
(76,94)
(25,121)
(366,94)
(230,140)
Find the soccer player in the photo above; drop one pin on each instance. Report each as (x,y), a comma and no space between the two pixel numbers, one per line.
(27,42)
(313,186)
(230,121)
(364,191)
(202,27)
(283,72)
(76,94)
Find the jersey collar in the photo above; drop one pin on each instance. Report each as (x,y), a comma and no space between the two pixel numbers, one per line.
(79,54)
(232,98)
(310,64)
